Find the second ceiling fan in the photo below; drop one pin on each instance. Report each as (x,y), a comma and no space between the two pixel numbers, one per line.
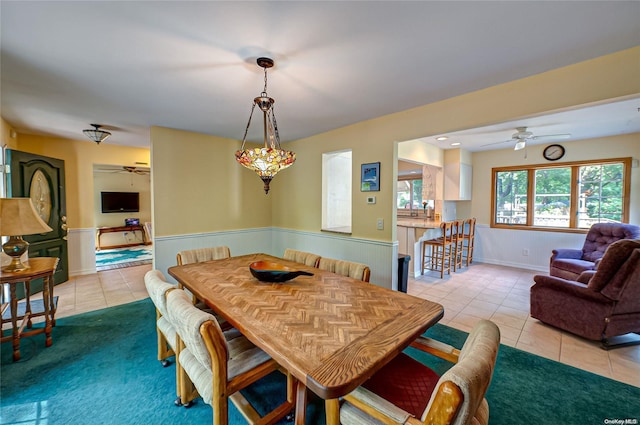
(522,135)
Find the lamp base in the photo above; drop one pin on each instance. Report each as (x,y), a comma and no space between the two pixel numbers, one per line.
(14,248)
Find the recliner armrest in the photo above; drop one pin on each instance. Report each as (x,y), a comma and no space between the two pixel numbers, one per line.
(586,276)
(568,287)
(575,254)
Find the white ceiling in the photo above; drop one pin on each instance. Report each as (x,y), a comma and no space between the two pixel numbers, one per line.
(191,65)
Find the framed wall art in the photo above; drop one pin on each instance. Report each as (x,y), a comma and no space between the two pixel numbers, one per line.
(370,177)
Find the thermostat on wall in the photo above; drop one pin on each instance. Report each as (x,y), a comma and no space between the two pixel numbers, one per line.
(371,199)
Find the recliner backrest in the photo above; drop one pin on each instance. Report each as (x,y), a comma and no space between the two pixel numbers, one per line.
(613,268)
(601,235)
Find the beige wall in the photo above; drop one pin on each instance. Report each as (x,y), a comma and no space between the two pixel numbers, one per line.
(198,186)
(79,158)
(596,80)
(602,148)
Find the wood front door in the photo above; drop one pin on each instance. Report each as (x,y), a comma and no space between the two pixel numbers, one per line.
(42,179)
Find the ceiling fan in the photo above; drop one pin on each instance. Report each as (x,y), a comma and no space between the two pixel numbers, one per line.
(522,135)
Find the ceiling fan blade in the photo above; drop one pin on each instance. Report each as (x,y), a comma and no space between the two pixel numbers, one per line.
(497,143)
(552,136)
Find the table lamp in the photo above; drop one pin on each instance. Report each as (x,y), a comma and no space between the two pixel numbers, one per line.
(18,217)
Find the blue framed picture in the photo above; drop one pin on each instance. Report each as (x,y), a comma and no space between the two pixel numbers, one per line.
(370,177)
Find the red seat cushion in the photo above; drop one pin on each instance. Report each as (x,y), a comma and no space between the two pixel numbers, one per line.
(406,383)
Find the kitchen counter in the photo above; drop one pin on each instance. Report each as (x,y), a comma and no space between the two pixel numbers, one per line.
(418,222)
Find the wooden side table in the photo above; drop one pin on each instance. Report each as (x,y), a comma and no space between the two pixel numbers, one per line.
(22,312)
(132,228)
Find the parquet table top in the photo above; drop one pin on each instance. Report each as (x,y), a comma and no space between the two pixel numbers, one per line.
(331,332)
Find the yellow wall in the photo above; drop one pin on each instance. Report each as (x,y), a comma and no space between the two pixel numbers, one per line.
(602,148)
(6,140)
(198,187)
(79,158)
(597,80)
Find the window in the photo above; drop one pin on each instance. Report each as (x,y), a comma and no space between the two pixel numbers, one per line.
(409,194)
(572,195)
(336,191)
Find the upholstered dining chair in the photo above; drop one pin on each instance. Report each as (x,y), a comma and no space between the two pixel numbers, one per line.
(406,391)
(200,255)
(437,253)
(157,286)
(346,268)
(216,365)
(306,258)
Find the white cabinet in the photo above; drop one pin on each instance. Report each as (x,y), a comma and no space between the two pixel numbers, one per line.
(457,182)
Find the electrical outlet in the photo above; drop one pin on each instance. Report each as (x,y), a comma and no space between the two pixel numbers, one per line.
(380,224)
(525,252)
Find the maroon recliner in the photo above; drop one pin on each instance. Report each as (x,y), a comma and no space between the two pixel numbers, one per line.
(570,263)
(603,303)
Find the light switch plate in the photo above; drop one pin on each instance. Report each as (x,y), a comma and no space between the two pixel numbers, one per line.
(371,199)
(380,224)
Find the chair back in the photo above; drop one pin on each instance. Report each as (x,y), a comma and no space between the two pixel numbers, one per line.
(200,255)
(306,258)
(601,235)
(619,265)
(157,287)
(346,268)
(470,228)
(472,373)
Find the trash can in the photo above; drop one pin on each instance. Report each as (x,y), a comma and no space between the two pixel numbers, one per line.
(403,272)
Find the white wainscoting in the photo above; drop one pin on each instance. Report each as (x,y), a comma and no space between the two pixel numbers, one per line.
(378,255)
(507,247)
(494,246)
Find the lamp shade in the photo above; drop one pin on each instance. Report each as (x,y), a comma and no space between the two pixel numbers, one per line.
(18,217)
(96,134)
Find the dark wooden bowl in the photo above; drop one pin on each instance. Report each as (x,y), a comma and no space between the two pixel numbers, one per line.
(268,271)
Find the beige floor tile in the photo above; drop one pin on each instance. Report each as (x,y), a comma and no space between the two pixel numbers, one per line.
(584,354)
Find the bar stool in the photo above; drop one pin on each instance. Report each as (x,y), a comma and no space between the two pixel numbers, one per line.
(437,252)
(458,243)
(468,239)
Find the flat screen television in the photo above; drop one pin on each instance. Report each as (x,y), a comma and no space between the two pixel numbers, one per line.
(116,202)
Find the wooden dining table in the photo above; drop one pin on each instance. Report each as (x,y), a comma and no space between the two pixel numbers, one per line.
(331,332)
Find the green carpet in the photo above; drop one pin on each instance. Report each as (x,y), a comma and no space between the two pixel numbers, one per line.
(102,369)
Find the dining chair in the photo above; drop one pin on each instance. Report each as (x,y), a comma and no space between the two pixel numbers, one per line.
(306,258)
(405,391)
(157,287)
(437,253)
(216,365)
(200,255)
(346,268)
(468,238)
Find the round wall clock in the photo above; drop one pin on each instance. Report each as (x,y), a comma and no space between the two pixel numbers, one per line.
(553,152)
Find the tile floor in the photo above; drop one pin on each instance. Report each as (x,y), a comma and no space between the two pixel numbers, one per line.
(500,294)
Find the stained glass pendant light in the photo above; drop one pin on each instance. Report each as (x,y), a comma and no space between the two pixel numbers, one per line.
(268,160)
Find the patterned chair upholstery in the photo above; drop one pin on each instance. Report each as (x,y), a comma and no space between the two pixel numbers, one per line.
(200,255)
(570,263)
(602,304)
(306,258)
(346,268)
(157,287)
(216,365)
(406,391)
